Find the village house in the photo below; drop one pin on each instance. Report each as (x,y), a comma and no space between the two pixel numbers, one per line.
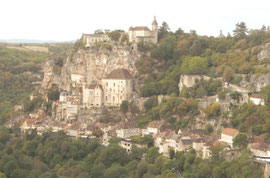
(28,124)
(144,34)
(92,96)
(127,130)
(228,134)
(74,130)
(155,127)
(127,144)
(185,143)
(63,96)
(256,99)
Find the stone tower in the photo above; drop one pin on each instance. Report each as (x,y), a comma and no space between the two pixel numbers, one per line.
(155,30)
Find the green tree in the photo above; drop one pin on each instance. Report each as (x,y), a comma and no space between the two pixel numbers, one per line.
(115,35)
(115,171)
(142,169)
(151,154)
(2,175)
(228,74)
(124,106)
(240,31)
(241,141)
(194,65)
(235,96)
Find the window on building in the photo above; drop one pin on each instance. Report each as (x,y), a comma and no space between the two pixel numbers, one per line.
(113,98)
(106,83)
(114,84)
(106,98)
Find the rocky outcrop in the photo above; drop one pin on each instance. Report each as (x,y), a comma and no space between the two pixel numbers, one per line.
(50,77)
(95,63)
(258,82)
(265,53)
(189,80)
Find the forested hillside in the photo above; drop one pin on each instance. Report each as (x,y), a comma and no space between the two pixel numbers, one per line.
(20,74)
(226,58)
(58,155)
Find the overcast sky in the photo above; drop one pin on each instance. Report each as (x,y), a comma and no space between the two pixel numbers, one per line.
(64,20)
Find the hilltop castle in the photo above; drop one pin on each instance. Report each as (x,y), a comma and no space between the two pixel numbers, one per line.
(144,34)
(135,34)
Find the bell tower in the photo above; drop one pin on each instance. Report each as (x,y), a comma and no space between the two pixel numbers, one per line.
(155,25)
(155,31)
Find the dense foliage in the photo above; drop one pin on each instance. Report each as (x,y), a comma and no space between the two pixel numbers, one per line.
(58,155)
(18,71)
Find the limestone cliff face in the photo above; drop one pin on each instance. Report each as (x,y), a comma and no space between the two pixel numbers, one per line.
(265,53)
(50,77)
(93,64)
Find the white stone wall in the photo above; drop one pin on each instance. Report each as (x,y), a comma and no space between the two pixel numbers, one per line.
(89,39)
(127,133)
(257,101)
(115,91)
(76,78)
(228,138)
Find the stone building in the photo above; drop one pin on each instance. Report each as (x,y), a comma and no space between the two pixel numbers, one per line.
(228,134)
(117,86)
(90,39)
(92,95)
(127,130)
(143,33)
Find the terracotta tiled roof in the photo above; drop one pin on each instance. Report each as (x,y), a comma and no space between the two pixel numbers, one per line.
(256,139)
(229,131)
(260,146)
(256,96)
(143,28)
(119,74)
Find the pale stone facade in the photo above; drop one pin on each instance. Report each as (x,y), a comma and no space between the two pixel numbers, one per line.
(256,99)
(76,79)
(92,95)
(127,130)
(144,34)
(117,86)
(228,134)
(90,39)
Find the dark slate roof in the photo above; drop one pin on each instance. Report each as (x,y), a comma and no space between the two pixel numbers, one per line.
(93,86)
(119,74)
(187,141)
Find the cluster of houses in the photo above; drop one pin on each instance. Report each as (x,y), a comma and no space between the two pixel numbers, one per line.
(113,89)
(164,138)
